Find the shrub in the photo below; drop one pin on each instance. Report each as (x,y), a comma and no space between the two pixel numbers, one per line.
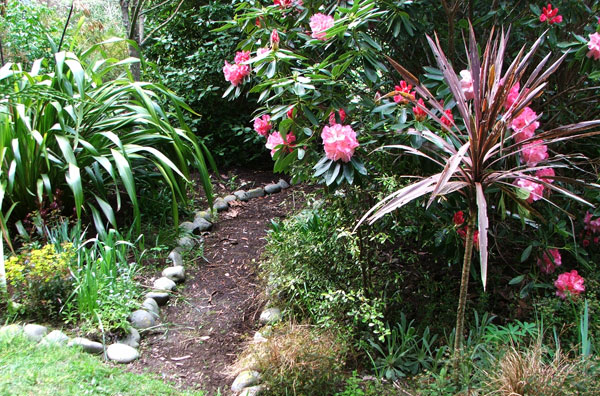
(40,279)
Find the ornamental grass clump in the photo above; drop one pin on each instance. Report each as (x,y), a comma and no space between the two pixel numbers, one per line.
(492,146)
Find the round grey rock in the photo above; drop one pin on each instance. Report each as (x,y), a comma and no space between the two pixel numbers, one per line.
(283,184)
(176,273)
(272,188)
(220,205)
(151,306)
(241,195)
(187,227)
(122,353)
(164,283)
(201,225)
(55,337)
(186,242)
(132,339)
(161,297)
(258,337)
(88,346)
(10,330)
(255,193)
(175,257)
(142,319)
(35,332)
(245,379)
(204,214)
(270,316)
(252,391)
(230,198)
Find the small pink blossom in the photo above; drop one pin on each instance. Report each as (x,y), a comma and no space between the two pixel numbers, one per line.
(545,174)
(524,125)
(262,51)
(283,3)
(569,283)
(403,88)
(550,15)
(536,190)
(275,141)
(458,218)
(274,38)
(513,94)
(466,84)
(235,73)
(290,113)
(339,142)
(242,56)
(448,118)
(332,119)
(591,225)
(549,261)
(534,153)
(420,114)
(319,23)
(594,46)
(262,125)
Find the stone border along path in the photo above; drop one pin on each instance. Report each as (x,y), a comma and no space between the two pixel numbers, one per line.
(146,318)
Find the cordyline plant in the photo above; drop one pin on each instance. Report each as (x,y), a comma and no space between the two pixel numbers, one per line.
(484,153)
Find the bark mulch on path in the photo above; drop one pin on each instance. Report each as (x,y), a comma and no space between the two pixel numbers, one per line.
(218,306)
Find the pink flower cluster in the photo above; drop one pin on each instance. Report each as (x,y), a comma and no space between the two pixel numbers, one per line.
(594,46)
(319,23)
(342,115)
(420,114)
(235,73)
(403,89)
(591,227)
(275,140)
(569,283)
(525,124)
(459,221)
(339,142)
(550,15)
(549,261)
(287,3)
(262,125)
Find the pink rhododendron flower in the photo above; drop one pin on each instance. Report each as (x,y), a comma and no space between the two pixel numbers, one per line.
(594,46)
(524,125)
(591,225)
(549,261)
(290,113)
(274,38)
(550,15)
(319,23)
(512,96)
(283,3)
(339,142)
(466,84)
(332,119)
(405,89)
(274,140)
(534,152)
(536,190)
(242,56)
(235,73)
(448,118)
(570,283)
(420,114)
(262,125)
(545,174)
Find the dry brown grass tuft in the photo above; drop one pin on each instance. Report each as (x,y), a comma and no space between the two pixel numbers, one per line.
(296,360)
(533,372)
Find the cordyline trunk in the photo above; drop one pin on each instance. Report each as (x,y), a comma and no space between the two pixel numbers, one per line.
(462,299)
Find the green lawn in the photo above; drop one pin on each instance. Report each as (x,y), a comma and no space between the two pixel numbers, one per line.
(27,369)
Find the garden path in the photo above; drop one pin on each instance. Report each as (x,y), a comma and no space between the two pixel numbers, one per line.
(216,309)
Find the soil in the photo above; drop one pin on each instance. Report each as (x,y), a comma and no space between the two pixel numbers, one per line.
(216,310)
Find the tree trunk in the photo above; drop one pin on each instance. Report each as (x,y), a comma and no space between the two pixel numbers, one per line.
(462,299)
(130,24)
(2,269)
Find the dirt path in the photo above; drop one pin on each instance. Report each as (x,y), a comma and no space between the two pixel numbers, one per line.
(219,304)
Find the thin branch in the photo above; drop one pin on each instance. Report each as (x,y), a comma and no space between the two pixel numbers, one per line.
(65,28)
(149,10)
(162,25)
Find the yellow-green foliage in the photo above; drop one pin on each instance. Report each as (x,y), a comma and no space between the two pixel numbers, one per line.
(39,265)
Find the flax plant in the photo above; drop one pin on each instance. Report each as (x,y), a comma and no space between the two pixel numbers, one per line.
(64,124)
(481,154)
